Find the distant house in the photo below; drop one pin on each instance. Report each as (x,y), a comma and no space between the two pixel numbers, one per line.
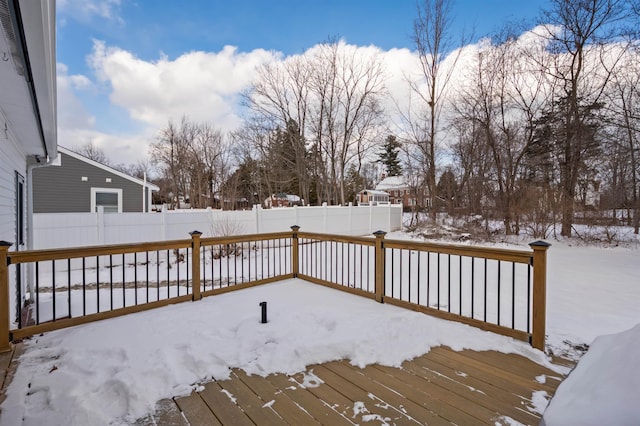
(400,192)
(28,125)
(283,200)
(75,183)
(371,197)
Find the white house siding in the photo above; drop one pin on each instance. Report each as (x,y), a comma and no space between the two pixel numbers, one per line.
(12,160)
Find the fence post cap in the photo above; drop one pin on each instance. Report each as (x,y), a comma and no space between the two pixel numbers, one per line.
(540,243)
(193,233)
(295,228)
(5,244)
(379,233)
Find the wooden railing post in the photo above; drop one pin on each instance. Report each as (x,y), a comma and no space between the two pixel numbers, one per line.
(379,257)
(295,261)
(539,293)
(5,344)
(195,264)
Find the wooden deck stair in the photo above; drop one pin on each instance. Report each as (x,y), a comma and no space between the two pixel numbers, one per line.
(440,387)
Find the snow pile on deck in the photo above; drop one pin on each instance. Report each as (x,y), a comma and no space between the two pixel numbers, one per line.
(603,388)
(116,370)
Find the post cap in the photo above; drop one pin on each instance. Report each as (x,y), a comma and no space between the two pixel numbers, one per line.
(295,228)
(192,233)
(5,244)
(379,233)
(540,243)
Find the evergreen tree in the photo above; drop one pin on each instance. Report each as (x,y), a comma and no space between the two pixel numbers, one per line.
(389,156)
(566,147)
(354,182)
(448,188)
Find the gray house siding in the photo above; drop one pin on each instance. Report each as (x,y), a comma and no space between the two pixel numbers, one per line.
(67,188)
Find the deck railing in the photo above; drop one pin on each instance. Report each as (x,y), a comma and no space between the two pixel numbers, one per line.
(494,289)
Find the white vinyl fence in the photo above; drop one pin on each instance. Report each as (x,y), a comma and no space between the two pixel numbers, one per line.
(57,230)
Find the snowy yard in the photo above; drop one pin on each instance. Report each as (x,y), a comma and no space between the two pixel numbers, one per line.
(114,371)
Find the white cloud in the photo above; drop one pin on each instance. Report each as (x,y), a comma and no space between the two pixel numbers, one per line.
(71,112)
(204,86)
(86,10)
(76,126)
(118,148)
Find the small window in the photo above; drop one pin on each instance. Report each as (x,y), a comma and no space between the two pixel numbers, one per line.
(109,199)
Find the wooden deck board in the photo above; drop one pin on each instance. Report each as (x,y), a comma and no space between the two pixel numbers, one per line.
(469,387)
(286,408)
(369,399)
(511,383)
(255,408)
(196,410)
(445,403)
(440,387)
(167,414)
(223,406)
(402,407)
(321,410)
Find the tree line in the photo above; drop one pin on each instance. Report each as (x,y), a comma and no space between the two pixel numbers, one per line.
(529,127)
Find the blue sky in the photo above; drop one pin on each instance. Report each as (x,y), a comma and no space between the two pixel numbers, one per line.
(148,27)
(149,31)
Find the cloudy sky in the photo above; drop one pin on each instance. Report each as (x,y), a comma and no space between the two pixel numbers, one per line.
(126,67)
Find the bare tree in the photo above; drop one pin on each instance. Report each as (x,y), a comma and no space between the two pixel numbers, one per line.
(431,35)
(580,35)
(206,149)
(347,88)
(472,159)
(331,98)
(279,96)
(624,146)
(170,154)
(188,157)
(503,99)
(92,152)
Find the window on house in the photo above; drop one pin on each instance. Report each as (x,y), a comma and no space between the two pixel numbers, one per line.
(110,199)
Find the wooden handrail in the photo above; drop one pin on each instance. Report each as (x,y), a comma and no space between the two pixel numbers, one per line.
(76,252)
(494,253)
(210,241)
(365,241)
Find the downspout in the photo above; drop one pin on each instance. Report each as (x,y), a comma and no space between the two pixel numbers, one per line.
(144,194)
(37,163)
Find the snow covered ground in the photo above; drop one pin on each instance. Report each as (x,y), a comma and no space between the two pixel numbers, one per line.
(114,371)
(603,388)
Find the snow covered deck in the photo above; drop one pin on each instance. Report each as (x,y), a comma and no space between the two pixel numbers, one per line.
(440,387)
